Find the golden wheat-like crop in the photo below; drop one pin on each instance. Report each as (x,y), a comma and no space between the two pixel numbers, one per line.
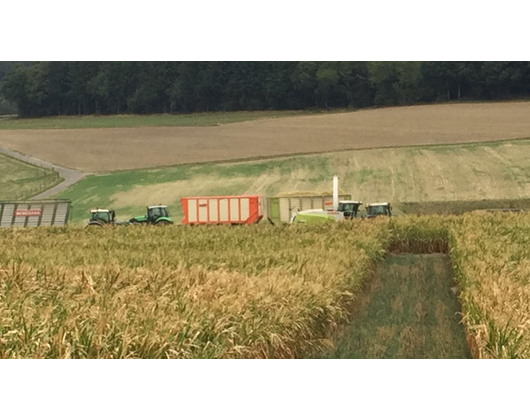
(180,292)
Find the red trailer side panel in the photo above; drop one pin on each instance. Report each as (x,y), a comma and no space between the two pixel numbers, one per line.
(227,209)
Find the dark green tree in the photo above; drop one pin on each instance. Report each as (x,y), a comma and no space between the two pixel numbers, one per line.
(82,88)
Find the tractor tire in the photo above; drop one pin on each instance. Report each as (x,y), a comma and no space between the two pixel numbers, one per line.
(94,225)
(162,223)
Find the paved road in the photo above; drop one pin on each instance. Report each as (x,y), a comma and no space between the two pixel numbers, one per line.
(70,176)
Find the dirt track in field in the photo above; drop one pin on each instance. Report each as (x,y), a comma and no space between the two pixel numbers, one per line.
(109,149)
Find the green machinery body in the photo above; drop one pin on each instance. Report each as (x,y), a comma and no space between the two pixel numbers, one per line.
(280,209)
(156,215)
(313,218)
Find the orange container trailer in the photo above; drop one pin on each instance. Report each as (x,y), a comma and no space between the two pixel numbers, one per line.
(218,210)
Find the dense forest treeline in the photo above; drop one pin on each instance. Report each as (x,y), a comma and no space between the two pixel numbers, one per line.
(81,88)
(6,107)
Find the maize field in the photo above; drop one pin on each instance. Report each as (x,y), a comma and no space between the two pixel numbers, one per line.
(247,292)
(491,259)
(212,292)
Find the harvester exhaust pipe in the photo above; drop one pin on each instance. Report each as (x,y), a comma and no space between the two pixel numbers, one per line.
(335,193)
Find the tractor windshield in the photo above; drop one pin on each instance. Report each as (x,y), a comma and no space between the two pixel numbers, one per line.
(378,210)
(157,212)
(101,216)
(349,208)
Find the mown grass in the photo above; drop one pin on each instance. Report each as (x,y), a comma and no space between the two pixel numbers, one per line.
(20,180)
(180,292)
(132,120)
(407,310)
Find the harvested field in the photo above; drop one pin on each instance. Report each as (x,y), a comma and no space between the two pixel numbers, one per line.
(498,171)
(95,150)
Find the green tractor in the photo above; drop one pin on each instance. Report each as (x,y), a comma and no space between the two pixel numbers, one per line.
(156,215)
(103,217)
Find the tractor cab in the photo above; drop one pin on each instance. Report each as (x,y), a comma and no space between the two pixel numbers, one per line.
(156,215)
(349,208)
(378,209)
(101,217)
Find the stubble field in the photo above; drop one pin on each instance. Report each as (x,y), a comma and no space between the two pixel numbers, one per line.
(495,171)
(110,149)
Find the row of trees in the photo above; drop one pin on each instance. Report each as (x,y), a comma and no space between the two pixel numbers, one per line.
(7,107)
(70,88)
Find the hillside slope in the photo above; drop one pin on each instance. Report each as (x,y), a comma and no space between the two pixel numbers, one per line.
(499,170)
(103,150)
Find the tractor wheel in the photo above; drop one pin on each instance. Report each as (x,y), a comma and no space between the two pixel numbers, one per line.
(162,223)
(90,225)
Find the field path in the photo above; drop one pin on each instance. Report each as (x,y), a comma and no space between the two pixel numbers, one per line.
(70,176)
(409,310)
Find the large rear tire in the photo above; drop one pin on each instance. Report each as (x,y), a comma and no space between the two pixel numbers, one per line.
(162,223)
(90,225)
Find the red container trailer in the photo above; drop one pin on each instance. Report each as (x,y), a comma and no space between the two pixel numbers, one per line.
(216,210)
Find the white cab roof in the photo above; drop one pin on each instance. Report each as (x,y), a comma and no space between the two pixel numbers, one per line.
(377,204)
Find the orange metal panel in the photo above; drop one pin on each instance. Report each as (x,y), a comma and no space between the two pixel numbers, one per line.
(233,209)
